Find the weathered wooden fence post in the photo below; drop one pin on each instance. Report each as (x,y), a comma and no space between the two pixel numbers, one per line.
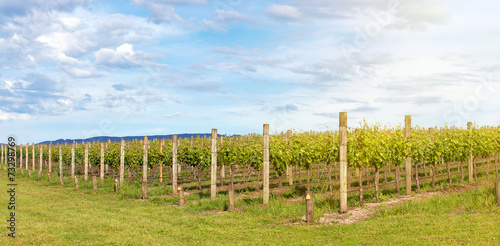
(40,161)
(174,164)
(94,182)
(289,167)
(309,207)
(33,156)
(497,191)
(102,162)
(27,148)
(50,161)
(122,160)
(265,166)
(86,161)
(213,175)
(408,158)
(180,192)
(343,160)
(21,159)
(73,160)
(161,164)
(471,169)
(60,166)
(232,201)
(145,169)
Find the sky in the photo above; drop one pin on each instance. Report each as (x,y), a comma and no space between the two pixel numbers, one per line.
(84,68)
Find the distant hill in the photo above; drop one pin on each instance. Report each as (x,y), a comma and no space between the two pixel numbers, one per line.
(128,138)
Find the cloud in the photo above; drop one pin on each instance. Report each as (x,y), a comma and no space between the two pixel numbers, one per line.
(163,11)
(212,25)
(39,94)
(328,115)
(403,14)
(123,57)
(286,108)
(229,16)
(41,83)
(199,86)
(283,12)
(25,7)
(121,87)
(364,109)
(173,116)
(5,116)
(181,2)
(230,51)
(417,15)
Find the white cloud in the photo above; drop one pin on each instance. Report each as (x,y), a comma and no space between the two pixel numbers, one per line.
(176,115)
(229,16)
(285,12)
(230,51)
(212,25)
(163,11)
(71,23)
(141,2)
(123,57)
(4,116)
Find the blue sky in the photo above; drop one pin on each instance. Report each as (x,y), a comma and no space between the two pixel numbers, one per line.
(77,69)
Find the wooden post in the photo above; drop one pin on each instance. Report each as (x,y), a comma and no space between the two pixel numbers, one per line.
(50,161)
(471,169)
(232,201)
(161,153)
(27,148)
(309,207)
(343,160)
(360,187)
(265,166)
(497,191)
(289,167)
(33,156)
(73,160)
(102,162)
(174,164)
(180,192)
(213,174)
(408,158)
(41,161)
(122,160)
(117,185)
(86,145)
(60,166)
(21,159)
(94,182)
(76,182)
(144,169)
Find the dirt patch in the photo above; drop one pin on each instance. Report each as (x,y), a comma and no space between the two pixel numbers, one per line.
(358,214)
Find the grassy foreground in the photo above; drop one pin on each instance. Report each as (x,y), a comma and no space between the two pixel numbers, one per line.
(53,215)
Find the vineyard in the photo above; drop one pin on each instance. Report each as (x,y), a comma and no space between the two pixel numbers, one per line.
(291,164)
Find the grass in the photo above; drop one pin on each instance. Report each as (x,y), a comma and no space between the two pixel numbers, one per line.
(48,214)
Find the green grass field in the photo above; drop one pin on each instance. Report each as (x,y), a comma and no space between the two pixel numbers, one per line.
(48,214)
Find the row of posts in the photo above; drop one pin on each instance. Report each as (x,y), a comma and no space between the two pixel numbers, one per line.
(213,186)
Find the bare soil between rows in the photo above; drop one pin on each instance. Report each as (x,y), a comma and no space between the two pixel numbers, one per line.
(360,214)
